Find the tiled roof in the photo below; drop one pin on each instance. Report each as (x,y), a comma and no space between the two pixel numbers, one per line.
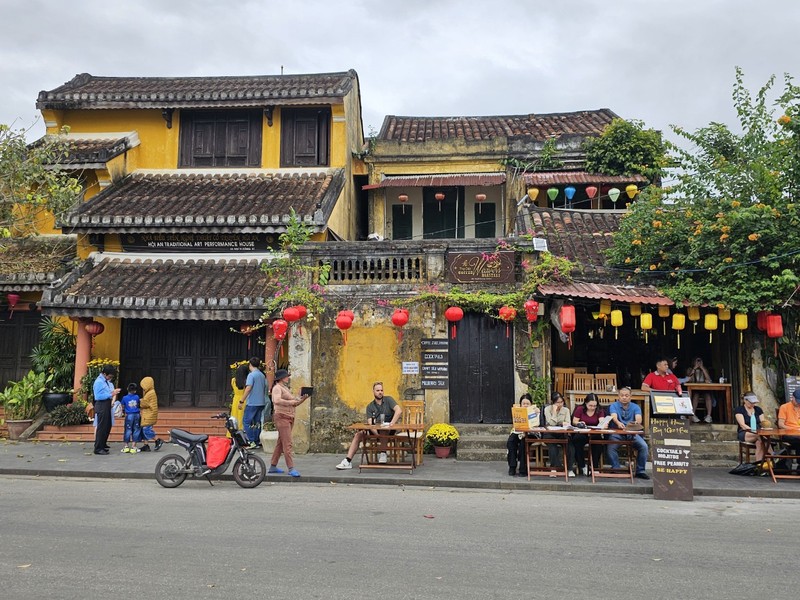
(30,264)
(212,288)
(579,235)
(466,179)
(93,151)
(643,294)
(89,91)
(538,127)
(255,201)
(579,177)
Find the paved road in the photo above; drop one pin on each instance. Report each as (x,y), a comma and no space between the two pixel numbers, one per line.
(114,538)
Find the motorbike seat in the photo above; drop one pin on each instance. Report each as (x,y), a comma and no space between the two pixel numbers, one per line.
(192,438)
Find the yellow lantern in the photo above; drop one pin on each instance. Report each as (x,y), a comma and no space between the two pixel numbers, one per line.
(636,310)
(631,190)
(678,324)
(693,314)
(663,312)
(646,323)
(724,315)
(532,194)
(605,307)
(616,321)
(740,322)
(711,325)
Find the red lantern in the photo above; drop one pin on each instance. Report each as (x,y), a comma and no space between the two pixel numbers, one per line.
(246,329)
(279,329)
(93,328)
(531,313)
(591,191)
(453,315)
(399,319)
(775,329)
(344,322)
(302,310)
(567,318)
(480,198)
(349,314)
(403,198)
(440,197)
(507,314)
(291,314)
(12,302)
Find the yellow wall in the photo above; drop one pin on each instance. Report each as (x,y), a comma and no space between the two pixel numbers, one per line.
(369,356)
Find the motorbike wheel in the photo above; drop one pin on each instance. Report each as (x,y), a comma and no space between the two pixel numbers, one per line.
(249,473)
(169,470)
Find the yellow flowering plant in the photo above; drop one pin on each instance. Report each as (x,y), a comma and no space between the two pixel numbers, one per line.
(442,434)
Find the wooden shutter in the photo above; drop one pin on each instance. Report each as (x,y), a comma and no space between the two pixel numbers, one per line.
(485,223)
(220,139)
(305,137)
(402,222)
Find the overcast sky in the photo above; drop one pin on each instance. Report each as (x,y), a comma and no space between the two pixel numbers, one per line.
(661,61)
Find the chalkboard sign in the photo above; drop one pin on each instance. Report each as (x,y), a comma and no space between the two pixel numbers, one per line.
(672,458)
(435,358)
(790,385)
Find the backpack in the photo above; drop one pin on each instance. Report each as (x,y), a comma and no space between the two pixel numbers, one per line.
(119,411)
(744,469)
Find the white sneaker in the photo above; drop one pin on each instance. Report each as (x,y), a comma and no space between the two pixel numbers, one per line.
(553,473)
(708,419)
(571,474)
(382,458)
(586,471)
(695,419)
(345,464)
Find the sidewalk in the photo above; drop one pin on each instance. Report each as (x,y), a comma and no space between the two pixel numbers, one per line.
(75,459)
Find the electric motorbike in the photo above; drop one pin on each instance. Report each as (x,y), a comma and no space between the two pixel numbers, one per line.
(249,470)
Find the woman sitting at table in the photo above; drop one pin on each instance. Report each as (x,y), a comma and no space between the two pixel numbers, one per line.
(557,415)
(750,417)
(588,413)
(516,445)
(698,373)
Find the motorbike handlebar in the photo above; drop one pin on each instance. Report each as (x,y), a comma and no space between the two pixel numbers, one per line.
(222,415)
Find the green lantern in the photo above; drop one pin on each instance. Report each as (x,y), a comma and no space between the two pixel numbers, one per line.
(552,193)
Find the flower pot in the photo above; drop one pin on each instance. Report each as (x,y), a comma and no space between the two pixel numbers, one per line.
(53,399)
(17,428)
(441,451)
(269,440)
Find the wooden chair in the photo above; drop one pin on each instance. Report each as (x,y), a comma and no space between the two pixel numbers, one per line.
(562,380)
(414,414)
(580,369)
(605,381)
(745,449)
(583,382)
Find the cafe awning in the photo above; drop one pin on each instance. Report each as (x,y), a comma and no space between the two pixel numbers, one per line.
(632,294)
(440,180)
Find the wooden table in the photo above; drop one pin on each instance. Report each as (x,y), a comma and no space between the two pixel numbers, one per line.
(396,442)
(640,397)
(596,438)
(768,436)
(547,438)
(726,407)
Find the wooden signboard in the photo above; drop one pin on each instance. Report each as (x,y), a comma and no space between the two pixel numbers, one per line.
(435,360)
(197,242)
(478,267)
(672,458)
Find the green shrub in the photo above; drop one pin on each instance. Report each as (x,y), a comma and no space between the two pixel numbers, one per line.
(68,414)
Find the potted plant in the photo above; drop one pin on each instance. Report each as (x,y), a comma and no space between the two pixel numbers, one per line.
(22,401)
(269,436)
(68,415)
(55,357)
(442,436)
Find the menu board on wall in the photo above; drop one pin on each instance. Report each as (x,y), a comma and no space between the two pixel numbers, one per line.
(435,359)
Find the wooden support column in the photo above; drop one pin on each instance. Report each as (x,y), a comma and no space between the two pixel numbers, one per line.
(83,354)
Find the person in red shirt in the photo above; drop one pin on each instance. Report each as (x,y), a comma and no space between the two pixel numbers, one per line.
(662,380)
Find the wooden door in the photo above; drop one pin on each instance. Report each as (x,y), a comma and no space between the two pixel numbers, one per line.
(189,360)
(443,219)
(19,333)
(481,371)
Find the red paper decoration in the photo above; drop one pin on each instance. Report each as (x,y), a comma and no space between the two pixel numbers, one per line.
(291,314)
(399,319)
(302,310)
(279,329)
(440,197)
(591,191)
(453,315)
(567,318)
(531,313)
(12,302)
(761,320)
(93,328)
(774,329)
(344,322)
(507,314)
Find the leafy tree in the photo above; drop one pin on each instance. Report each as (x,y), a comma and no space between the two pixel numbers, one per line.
(31,181)
(627,148)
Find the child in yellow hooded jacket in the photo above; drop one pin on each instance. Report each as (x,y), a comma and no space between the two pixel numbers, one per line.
(148,407)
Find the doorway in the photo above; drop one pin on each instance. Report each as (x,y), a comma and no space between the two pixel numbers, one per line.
(481,371)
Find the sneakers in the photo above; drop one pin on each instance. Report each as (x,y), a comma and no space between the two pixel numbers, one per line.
(101,452)
(586,471)
(708,419)
(145,448)
(293,473)
(695,419)
(125,450)
(382,458)
(159,443)
(252,445)
(571,473)
(345,464)
(134,450)
(275,470)
(642,475)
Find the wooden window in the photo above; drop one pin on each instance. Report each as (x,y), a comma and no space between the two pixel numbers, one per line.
(443,218)
(305,137)
(220,138)
(402,222)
